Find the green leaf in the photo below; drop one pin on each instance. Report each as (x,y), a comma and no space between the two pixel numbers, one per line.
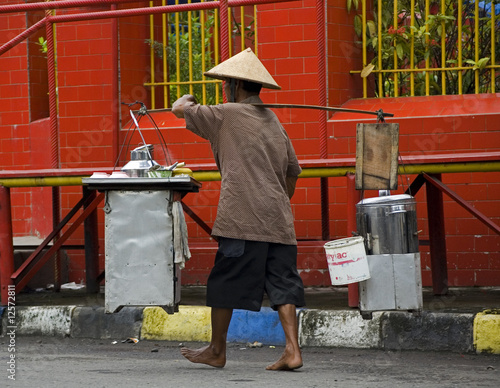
(399,50)
(367,70)
(357,25)
(481,64)
(372,28)
(349,4)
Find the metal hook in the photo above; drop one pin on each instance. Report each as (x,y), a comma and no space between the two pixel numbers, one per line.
(380,116)
(107,207)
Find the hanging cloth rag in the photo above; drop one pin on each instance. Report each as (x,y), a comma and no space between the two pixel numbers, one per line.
(181,248)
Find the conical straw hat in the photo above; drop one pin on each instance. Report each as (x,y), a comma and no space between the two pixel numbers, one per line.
(245,66)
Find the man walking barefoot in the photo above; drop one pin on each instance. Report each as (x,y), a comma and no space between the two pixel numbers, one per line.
(254,225)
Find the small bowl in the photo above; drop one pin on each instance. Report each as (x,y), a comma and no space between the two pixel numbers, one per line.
(119,174)
(160,174)
(99,175)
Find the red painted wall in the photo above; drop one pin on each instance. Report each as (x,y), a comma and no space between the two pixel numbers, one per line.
(288,48)
(14,115)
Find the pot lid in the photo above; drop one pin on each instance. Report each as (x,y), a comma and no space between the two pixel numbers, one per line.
(388,199)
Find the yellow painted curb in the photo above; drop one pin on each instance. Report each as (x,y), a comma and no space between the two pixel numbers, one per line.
(487,331)
(191,323)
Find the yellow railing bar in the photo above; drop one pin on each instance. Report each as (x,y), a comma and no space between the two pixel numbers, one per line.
(423,69)
(255,29)
(242,27)
(326,172)
(476,42)
(379,31)
(427,61)
(164,56)
(201,82)
(436,168)
(412,44)
(411,64)
(177,52)
(459,44)
(152,55)
(216,46)
(493,59)
(230,32)
(443,49)
(190,49)
(54,39)
(181,29)
(204,86)
(395,56)
(363,38)
(42,181)
(307,172)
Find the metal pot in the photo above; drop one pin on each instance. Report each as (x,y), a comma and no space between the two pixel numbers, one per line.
(141,161)
(388,224)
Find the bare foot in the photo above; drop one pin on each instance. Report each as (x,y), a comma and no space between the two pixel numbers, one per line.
(205,355)
(289,360)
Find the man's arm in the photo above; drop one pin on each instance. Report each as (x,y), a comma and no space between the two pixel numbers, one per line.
(179,105)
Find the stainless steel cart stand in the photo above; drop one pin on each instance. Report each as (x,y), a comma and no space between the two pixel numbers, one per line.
(139,252)
(389,226)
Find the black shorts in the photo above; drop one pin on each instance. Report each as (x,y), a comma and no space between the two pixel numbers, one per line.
(244,270)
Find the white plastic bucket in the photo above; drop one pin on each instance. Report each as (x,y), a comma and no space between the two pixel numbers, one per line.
(347,261)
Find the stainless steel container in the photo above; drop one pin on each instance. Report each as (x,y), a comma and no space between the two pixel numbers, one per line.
(141,161)
(388,224)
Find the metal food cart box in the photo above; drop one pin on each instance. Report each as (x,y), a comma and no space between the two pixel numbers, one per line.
(389,227)
(395,283)
(139,253)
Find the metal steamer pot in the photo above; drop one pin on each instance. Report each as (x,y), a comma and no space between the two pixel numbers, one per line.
(388,224)
(141,161)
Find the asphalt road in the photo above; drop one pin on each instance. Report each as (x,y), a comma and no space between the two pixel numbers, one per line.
(57,362)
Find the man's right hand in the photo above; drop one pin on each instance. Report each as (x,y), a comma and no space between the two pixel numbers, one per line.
(179,105)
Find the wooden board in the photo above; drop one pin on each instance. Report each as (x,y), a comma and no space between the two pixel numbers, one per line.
(377,156)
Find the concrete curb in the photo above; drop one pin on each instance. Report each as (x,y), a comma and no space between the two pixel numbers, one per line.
(93,322)
(344,328)
(250,326)
(40,320)
(487,331)
(388,330)
(191,323)
(427,331)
